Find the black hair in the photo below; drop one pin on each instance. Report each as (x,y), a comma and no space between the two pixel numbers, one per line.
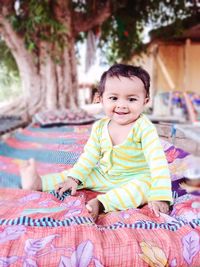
(124,70)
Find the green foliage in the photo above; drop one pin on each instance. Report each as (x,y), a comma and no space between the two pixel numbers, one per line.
(7,60)
(37,22)
(121,34)
(10,85)
(9,75)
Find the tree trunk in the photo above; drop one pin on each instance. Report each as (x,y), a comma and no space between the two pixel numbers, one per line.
(45,83)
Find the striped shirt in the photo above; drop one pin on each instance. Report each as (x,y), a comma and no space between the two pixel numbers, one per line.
(104,166)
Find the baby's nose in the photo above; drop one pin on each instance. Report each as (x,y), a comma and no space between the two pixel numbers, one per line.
(122,104)
(121,107)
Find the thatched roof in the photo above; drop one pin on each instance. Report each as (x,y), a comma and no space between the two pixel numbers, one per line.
(179,30)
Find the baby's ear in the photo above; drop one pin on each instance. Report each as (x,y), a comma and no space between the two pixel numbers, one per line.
(146,100)
(96,98)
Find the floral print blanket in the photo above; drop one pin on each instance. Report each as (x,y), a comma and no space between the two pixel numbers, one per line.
(41,229)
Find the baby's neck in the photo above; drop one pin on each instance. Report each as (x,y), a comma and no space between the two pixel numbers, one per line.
(119,133)
(120,127)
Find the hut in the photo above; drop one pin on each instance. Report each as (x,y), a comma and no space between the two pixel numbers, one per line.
(173,62)
(173,59)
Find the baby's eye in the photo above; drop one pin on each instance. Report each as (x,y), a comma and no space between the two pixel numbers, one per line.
(132,99)
(114,98)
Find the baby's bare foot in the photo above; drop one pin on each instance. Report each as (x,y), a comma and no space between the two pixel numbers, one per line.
(95,207)
(30,179)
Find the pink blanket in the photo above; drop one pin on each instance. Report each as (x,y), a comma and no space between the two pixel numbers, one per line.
(38,229)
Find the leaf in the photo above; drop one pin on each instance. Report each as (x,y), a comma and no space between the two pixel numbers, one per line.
(45,203)
(41,210)
(71,204)
(97,263)
(29,197)
(124,215)
(65,262)
(32,246)
(82,256)
(30,263)
(191,246)
(173,263)
(168,219)
(74,203)
(72,213)
(31,46)
(12,233)
(153,255)
(147,260)
(160,255)
(4,262)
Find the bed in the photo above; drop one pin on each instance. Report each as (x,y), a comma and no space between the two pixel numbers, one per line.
(41,229)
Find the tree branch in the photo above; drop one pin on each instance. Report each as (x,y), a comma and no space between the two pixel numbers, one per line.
(9,4)
(13,41)
(84,22)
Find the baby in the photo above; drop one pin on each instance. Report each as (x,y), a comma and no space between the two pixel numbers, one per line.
(123,158)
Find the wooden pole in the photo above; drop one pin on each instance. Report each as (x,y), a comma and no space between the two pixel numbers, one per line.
(190,108)
(168,80)
(189,105)
(186,65)
(154,68)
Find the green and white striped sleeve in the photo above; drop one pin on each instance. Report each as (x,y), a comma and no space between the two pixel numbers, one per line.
(155,156)
(89,157)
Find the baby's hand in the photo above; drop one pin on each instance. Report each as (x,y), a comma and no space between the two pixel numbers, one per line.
(159,206)
(70,183)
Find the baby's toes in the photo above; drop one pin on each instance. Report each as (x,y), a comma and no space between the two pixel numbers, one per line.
(24,164)
(94,217)
(93,214)
(164,209)
(89,208)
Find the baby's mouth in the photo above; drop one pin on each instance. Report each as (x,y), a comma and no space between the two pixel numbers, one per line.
(121,113)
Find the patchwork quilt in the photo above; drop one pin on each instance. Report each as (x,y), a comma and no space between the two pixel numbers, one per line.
(42,229)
